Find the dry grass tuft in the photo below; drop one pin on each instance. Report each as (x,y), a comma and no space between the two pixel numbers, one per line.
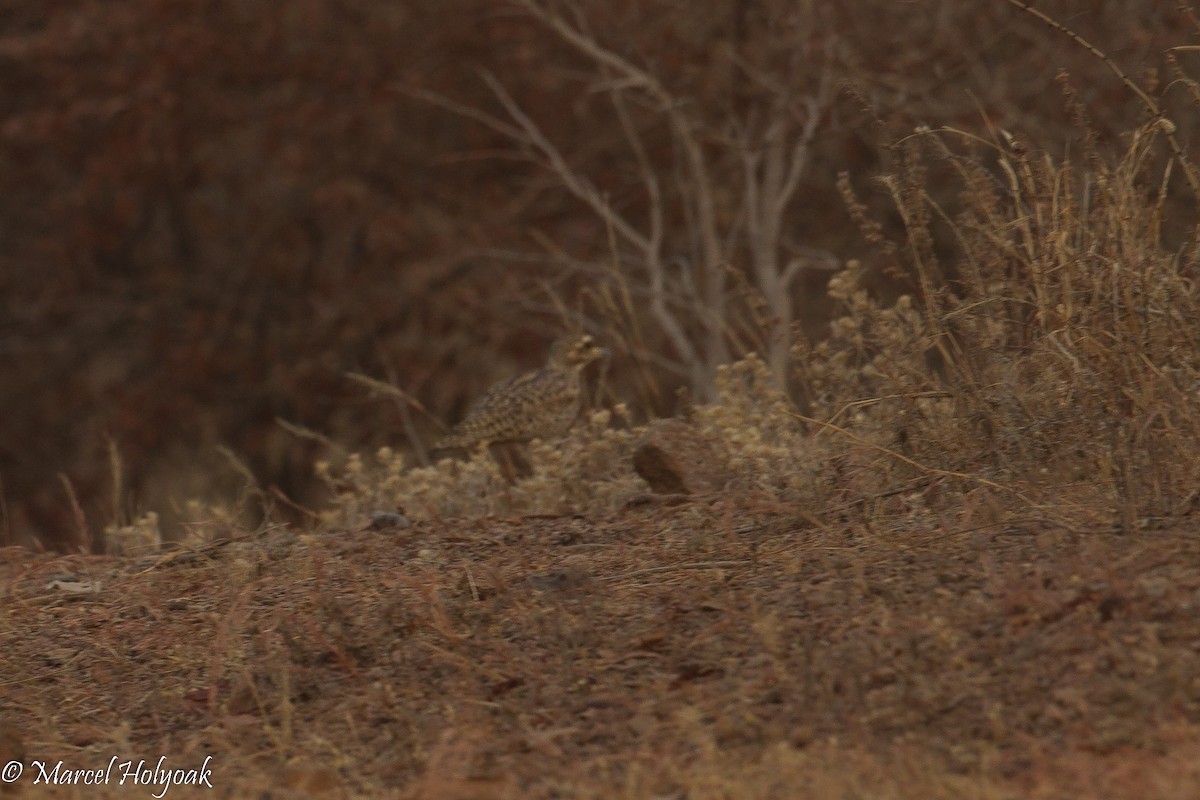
(769,450)
(588,472)
(1062,334)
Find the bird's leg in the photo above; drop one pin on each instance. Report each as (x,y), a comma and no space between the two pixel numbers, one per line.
(512,462)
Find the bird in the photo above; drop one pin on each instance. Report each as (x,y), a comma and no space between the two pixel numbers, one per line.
(540,404)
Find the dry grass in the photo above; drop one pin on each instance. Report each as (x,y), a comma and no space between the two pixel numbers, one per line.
(1055,344)
(708,651)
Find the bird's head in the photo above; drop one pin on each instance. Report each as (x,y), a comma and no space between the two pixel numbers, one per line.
(576,351)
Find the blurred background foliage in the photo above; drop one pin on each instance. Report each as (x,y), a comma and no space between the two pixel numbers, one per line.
(215,210)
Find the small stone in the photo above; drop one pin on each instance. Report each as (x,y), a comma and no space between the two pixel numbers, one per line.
(388,519)
(560,580)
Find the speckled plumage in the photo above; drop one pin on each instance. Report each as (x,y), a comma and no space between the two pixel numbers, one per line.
(535,405)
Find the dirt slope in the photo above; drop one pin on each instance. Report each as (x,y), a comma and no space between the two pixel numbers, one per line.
(724,649)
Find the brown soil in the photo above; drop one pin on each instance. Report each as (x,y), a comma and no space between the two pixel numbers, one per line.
(722,649)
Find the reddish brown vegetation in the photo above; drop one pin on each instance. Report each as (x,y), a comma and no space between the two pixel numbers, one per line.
(212,211)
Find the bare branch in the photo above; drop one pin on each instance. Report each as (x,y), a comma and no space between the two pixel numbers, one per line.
(1148,101)
(466,111)
(701,190)
(649,178)
(653,255)
(576,183)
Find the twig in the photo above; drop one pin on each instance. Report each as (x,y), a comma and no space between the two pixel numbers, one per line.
(637,573)
(82,531)
(966,476)
(1147,100)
